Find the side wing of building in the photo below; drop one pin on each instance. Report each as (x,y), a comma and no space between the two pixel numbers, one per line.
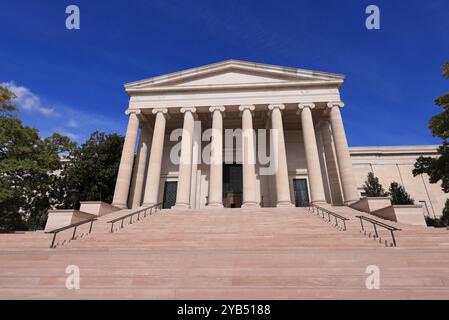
(396,164)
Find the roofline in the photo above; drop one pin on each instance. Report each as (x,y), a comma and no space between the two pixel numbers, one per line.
(422,149)
(236,62)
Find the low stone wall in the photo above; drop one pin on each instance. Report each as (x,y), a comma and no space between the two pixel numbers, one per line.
(381,207)
(62,218)
(407,214)
(370,204)
(97,208)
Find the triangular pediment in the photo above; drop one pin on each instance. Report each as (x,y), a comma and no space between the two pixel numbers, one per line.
(233,73)
(231,77)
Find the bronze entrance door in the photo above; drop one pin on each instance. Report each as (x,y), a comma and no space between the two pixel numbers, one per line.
(301,192)
(232,185)
(170,194)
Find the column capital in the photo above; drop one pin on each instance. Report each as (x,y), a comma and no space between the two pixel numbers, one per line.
(309,105)
(217,108)
(133,111)
(279,106)
(188,109)
(159,110)
(333,104)
(249,107)
(302,106)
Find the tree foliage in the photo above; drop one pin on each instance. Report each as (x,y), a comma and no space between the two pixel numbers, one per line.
(398,195)
(27,170)
(6,105)
(373,188)
(34,177)
(90,171)
(441,222)
(438,168)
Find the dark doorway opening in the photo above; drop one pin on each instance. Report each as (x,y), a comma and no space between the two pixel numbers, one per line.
(232,185)
(301,192)
(170,194)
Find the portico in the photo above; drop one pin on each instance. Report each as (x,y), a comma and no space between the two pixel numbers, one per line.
(306,140)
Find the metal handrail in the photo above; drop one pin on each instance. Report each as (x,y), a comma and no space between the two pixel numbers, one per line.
(329,214)
(380,224)
(132,214)
(74,225)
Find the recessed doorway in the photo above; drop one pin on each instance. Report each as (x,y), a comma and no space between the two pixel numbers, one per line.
(232,186)
(170,194)
(301,192)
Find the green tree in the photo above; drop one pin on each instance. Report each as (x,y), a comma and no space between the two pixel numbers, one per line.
(399,195)
(438,168)
(90,171)
(441,222)
(28,165)
(445,217)
(6,105)
(373,188)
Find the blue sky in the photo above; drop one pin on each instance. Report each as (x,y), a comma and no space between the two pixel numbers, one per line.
(72,81)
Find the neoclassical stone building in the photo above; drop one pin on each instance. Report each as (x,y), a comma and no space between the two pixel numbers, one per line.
(302,107)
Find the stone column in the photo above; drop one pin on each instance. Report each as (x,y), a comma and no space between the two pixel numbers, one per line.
(311,150)
(216,161)
(126,162)
(331,164)
(155,162)
(342,150)
(135,195)
(185,164)
(281,175)
(248,158)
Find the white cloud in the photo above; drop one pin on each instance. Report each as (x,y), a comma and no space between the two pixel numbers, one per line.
(28,101)
(71,135)
(72,123)
(75,123)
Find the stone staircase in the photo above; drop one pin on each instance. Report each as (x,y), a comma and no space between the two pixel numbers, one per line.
(268,253)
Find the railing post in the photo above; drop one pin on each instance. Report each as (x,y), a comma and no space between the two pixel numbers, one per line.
(361,223)
(112,227)
(90,228)
(392,236)
(344,224)
(53,241)
(131,220)
(122,224)
(375,230)
(74,233)
(336,221)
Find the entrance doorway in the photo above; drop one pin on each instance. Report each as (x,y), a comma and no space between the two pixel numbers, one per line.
(232,185)
(301,192)
(170,194)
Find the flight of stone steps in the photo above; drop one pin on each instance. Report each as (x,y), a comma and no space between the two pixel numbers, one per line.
(268,253)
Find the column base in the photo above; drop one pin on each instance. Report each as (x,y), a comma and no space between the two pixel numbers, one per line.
(319,202)
(119,205)
(284,204)
(181,206)
(146,205)
(215,205)
(350,202)
(250,205)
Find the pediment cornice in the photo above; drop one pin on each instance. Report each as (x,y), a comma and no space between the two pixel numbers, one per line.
(234,74)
